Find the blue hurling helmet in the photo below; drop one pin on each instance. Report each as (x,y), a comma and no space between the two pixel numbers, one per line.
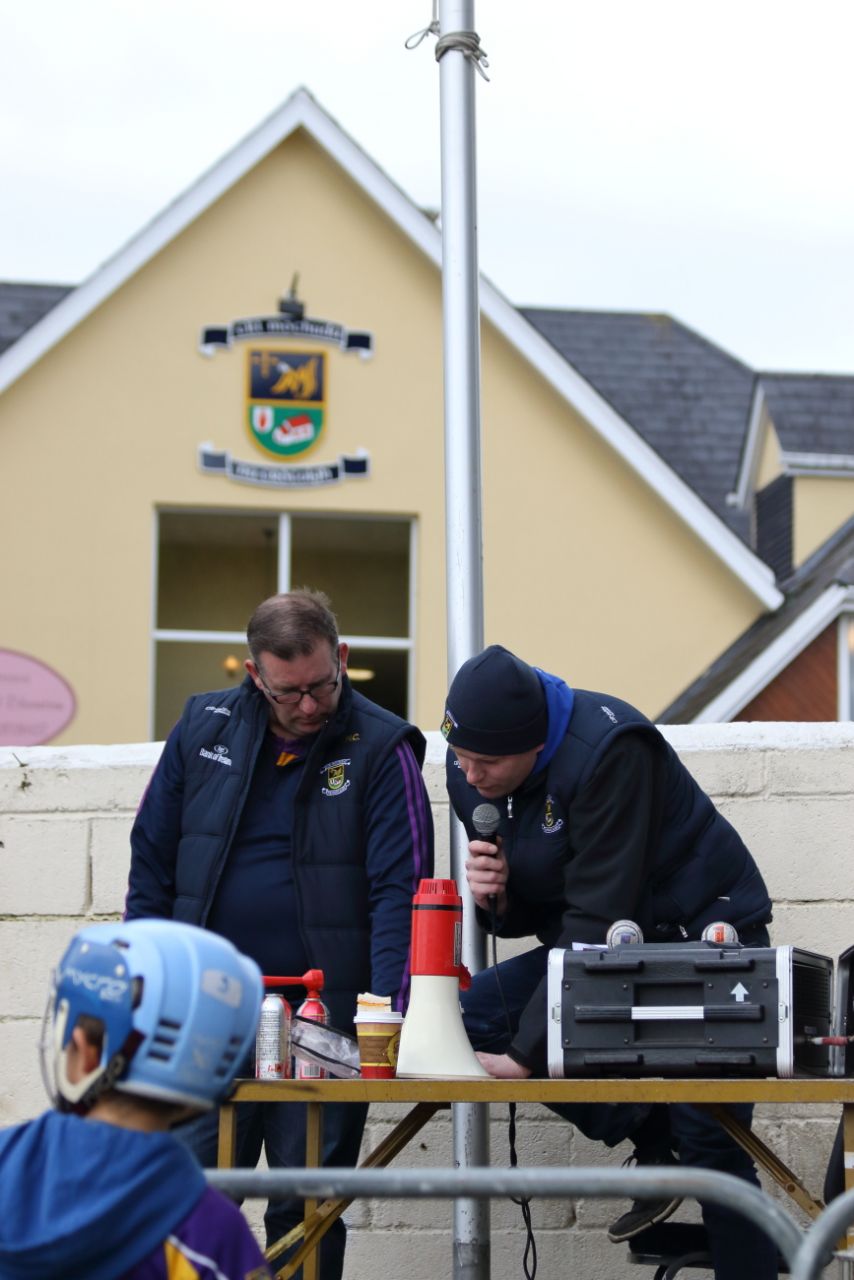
(178,1005)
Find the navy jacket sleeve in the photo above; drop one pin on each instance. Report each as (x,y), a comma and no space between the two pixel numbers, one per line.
(155,836)
(614,823)
(399,852)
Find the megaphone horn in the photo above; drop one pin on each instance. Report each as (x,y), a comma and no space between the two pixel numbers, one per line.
(433,1042)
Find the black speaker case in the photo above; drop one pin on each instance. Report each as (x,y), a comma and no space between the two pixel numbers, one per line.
(688,1009)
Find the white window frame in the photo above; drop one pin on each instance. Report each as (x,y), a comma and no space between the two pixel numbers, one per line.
(399,644)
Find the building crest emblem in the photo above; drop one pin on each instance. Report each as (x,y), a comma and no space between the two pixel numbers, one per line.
(286,399)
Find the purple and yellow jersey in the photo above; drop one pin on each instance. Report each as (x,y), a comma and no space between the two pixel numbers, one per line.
(212,1243)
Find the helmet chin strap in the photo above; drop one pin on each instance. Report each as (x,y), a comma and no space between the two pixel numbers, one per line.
(70,1093)
(79,1096)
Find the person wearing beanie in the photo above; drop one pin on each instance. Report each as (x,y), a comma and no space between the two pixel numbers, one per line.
(598,821)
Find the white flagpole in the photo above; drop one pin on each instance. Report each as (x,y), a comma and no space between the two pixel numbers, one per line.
(457,52)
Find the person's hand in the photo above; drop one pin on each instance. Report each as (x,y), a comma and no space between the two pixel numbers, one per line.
(487,872)
(502,1066)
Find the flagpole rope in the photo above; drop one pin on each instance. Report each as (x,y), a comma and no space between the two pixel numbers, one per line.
(465,42)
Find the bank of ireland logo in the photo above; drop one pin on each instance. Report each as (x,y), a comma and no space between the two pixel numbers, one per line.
(286,400)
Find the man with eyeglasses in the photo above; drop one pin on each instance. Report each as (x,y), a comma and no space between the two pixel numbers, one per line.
(290,815)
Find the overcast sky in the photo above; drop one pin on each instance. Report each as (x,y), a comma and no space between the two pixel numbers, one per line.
(656,155)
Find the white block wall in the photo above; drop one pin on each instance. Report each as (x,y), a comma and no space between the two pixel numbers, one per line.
(65,814)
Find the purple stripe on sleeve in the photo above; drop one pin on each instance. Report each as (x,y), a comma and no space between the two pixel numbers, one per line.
(416,805)
(416,802)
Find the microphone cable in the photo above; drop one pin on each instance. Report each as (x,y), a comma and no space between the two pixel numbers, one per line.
(529,1257)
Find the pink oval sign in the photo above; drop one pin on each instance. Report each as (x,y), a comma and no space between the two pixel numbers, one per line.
(35,703)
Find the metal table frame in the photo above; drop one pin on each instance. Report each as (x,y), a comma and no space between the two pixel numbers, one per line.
(429,1096)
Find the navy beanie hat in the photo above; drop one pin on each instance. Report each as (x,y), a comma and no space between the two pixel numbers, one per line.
(496,706)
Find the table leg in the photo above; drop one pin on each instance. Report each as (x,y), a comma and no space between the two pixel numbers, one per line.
(848,1146)
(227,1138)
(313,1160)
(314,1228)
(307,1231)
(765,1158)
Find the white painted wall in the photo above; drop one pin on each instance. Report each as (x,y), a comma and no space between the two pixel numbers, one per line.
(65,814)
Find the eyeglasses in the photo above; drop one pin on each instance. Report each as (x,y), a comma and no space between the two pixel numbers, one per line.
(318,692)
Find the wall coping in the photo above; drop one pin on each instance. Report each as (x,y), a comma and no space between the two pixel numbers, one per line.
(144,754)
(748,736)
(751,736)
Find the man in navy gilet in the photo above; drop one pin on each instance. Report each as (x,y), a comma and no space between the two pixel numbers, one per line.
(289,814)
(599,821)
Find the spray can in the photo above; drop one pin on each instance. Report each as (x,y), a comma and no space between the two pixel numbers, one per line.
(719,932)
(313,1009)
(623,933)
(273,1039)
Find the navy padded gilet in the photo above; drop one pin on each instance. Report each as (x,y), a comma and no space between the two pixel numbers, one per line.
(330,875)
(702,870)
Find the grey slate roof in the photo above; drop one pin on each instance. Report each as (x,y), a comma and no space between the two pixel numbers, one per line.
(687,398)
(813,413)
(833,562)
(21,305)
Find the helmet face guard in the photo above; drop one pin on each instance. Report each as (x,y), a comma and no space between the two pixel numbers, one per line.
(93,982)
(175,1009)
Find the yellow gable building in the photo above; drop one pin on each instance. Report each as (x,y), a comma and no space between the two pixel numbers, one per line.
(193,429)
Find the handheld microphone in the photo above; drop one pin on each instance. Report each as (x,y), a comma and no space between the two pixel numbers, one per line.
(486,820)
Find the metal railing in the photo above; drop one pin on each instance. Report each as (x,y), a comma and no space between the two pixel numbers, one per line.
(822,1239)
(486,1183)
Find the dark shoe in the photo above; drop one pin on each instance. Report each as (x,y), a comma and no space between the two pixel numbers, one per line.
(645,1213)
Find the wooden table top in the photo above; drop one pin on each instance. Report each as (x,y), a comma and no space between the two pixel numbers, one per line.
(602,1089)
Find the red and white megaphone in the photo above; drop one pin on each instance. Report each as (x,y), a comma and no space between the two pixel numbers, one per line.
(433,1042)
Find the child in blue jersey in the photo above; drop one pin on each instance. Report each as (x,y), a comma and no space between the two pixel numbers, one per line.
(145,1026)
